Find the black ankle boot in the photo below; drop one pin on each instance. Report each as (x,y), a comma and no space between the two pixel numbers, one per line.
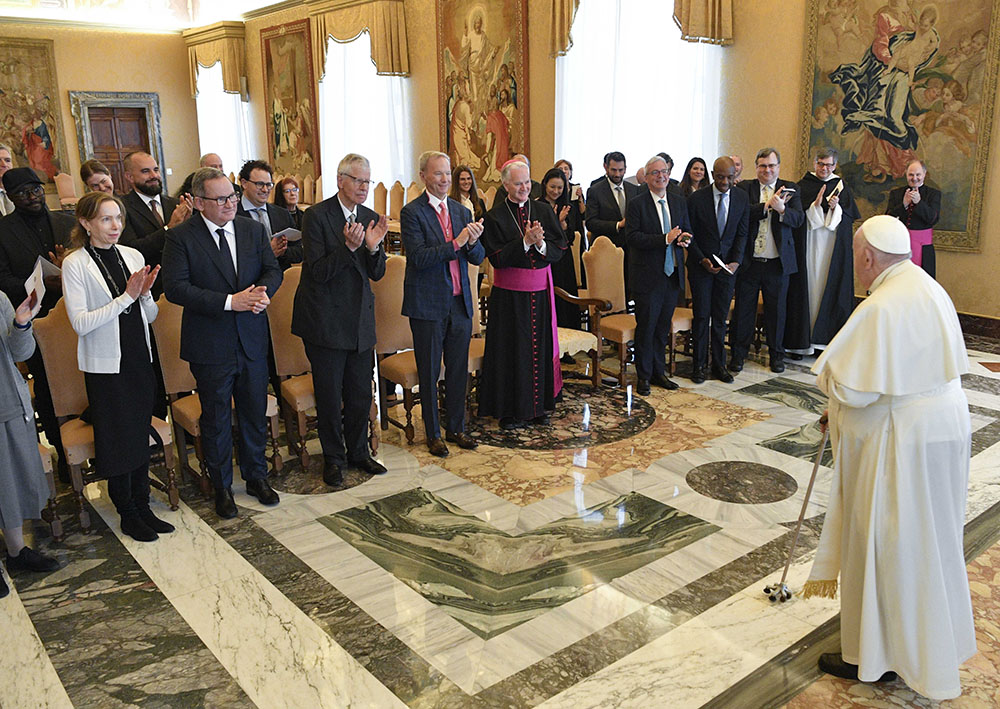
(4,588)
(152,521)
(133,526)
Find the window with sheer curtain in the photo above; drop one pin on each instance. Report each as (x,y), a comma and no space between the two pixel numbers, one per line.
(362,112)
(223,120)
(629,83)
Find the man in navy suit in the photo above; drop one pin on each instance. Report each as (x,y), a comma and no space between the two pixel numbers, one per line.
(440,240)
(149,214)
(719,222)
(257,181)
(768,261)
(334,314)
(658,227)
(221,269)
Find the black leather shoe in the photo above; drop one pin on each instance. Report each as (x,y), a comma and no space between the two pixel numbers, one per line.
(660,380)
(30,560)
(722,375)
(332,475)
(542,420)
(225,506)
(833,664)
(134,527)
(4,588)
(370,466)
(698,376)
(153,522)
(777,366)
(437,447)
(462,439)
(509,424)
(642,387)
(794,356)
(735,365)
(262,490)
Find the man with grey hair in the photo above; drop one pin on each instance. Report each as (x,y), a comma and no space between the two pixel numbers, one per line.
(918,206)
(211,160)
(521,375)
(6,163)
(334,314)
(440,240)
(220,268)
(900,428)
(536,187)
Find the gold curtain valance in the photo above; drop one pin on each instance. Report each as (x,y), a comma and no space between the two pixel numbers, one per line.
(563,14)
(223,41)
(705,20)
(344,20)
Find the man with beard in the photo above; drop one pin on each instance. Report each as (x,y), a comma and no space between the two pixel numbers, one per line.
(28,232)
(821,294)
(148,213)
(607,204)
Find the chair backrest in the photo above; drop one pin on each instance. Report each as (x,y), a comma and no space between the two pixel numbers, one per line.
(308,195)
(289,352)
(64,186)
(477,326)
(318,191)
(57,341)
(381,198)
(491,195)
(575,251)
(413,191)
(392,328)
(396,194)
(177,377)
(605,278)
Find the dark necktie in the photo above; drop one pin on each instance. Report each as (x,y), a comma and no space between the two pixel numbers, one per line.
(154,207)
(228,264)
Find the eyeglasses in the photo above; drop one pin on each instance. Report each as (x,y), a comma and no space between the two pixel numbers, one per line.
(30,189)
(231,198)
(658,173)
(262,185)
(358,180)
(825,164)
(291,190)
(768,165)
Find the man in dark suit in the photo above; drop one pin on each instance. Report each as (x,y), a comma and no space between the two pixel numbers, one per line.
(607,200)
(918,206)
(719,222)
(334,314)
(440,240)
(257,181)
(149,214)
(658,227)
(221,269)
(28,232)
(768,260)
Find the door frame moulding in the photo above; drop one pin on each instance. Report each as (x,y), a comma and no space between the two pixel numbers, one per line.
(81,101)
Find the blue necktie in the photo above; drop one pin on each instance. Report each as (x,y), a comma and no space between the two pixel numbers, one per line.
(720,214)
(668,262)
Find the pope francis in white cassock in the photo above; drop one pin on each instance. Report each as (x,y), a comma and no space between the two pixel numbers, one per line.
(900,428)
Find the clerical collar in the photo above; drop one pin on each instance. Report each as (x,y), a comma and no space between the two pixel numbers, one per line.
(833,176)
(519,204)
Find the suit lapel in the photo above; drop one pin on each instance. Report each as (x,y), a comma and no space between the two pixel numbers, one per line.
(140,209)
(207,243)
(431,216)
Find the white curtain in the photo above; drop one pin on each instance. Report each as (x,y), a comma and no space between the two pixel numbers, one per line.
(362,112)
(223,120)
(629,83)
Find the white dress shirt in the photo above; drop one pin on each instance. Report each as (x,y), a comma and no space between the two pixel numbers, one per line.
(231,240)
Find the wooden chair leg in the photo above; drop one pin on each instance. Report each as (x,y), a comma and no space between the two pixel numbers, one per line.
(595,375)
(301,430)
(76,477)
(203,482)
(673,345)
(173,495)
(180,445)
(50,514)
(272,429)
(622,352)
(408,405)
(291,432)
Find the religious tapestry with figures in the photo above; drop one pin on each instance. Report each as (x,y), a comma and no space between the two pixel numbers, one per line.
(30,122)
(483,86)
(889,82)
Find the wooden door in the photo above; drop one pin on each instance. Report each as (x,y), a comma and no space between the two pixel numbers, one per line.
(116,132)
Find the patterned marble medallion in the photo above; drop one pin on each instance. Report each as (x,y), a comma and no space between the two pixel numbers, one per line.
(741,482)
(802,442)
(491,581)
(585,417)
(790,392)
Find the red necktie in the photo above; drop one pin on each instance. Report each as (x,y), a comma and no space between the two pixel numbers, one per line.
(444,219)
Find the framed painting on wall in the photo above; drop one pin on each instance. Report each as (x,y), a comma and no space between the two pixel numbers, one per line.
(483,83)
(290,99)
(886,83)
(30,122)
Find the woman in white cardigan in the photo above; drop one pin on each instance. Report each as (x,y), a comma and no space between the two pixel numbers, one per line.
(108,300)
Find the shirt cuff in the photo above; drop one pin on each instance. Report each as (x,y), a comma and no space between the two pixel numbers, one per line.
(19,326)
(542,247)
(229,302)
(454,243)
(527,247)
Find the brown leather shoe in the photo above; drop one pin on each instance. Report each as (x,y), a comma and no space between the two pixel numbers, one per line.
(462,439)
(437,447)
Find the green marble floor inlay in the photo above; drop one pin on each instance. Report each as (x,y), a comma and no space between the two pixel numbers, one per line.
(790,392)
(492,581)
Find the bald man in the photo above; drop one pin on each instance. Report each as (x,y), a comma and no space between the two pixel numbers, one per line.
(149,213)
(211,160)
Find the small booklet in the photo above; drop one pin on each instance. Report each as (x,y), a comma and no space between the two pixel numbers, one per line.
(36,281)
(291,233)
(721,264)
(835,191)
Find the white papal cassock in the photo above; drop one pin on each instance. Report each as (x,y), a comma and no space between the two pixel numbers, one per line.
(900,429)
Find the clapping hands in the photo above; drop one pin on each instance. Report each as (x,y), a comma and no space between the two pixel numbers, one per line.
(140,282)
(534,235)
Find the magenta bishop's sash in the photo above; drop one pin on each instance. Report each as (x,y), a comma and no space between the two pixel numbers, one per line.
(919,238)
(531,280)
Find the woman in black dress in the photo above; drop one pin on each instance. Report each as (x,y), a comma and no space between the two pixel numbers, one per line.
(555,193)
(108,301)
(695,177)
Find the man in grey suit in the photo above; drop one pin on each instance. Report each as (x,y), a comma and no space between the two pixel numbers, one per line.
(334,314)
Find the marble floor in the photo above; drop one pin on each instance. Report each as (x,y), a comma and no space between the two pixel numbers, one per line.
(614,558)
